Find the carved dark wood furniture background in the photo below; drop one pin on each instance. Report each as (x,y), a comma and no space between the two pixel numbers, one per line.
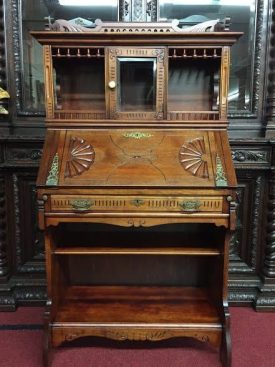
(22,277)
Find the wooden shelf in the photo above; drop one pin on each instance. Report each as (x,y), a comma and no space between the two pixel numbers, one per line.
(133,304)
(200,251)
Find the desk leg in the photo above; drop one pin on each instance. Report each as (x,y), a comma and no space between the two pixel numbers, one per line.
(47,341)
(226,344)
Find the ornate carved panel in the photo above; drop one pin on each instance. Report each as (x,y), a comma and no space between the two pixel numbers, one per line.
(17,155)
(245,241)
(248,243)
(29,245)
(21,244)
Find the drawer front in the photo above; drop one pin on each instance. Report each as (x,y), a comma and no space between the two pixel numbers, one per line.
(84,203)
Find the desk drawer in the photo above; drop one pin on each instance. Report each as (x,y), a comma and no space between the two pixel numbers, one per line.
(98,203)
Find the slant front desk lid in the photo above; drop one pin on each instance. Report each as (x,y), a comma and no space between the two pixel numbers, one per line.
(126,157)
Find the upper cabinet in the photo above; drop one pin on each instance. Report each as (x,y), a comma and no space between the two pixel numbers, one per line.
(92,78)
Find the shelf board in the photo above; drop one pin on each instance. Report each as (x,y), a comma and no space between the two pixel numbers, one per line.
(200,251)
(137,305)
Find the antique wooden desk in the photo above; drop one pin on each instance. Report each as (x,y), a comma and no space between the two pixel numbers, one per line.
(136,186)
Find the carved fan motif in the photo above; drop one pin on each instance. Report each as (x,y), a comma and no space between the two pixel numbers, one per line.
(192,158)
(81,157)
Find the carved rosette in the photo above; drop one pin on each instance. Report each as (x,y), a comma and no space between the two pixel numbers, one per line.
(81,157)
(192,158)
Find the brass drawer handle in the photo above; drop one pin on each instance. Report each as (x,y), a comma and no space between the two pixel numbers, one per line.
(81,204)
(190,206)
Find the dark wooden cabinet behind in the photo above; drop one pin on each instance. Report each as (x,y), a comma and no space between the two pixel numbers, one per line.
(252,253)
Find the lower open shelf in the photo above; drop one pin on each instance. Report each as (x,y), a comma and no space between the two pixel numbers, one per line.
(134,304)
(136,313)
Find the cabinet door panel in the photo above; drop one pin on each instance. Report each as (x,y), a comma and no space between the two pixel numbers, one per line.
(136,83)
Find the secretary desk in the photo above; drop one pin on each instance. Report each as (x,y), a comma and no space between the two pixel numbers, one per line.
(136,187)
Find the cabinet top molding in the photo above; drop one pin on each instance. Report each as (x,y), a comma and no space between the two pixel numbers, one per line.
(143,38)
(173,26)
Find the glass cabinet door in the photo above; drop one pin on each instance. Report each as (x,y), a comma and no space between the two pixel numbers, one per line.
(136,83)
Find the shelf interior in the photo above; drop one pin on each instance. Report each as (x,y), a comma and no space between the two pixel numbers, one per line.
(193,239)
(167,255)
(79,84)
(192,84)
(124,304)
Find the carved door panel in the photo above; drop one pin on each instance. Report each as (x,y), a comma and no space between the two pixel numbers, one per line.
(136,83)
